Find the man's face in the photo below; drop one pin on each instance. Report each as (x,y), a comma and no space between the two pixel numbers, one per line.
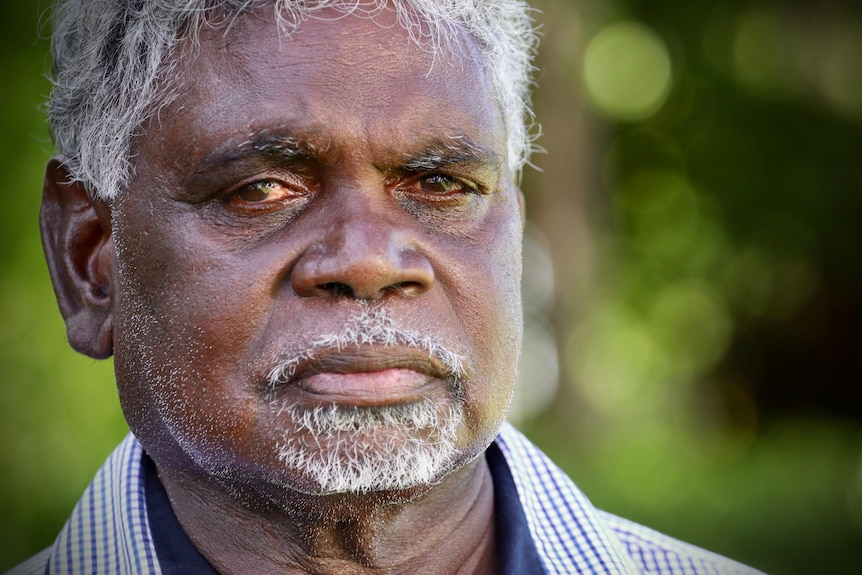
(316,225)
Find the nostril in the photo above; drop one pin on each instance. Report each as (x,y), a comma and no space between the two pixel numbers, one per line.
(409,289)
(337,289)
(340,289)
(364,268)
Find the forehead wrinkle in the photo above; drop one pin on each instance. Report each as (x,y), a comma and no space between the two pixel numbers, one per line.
(305,134)
(235,51)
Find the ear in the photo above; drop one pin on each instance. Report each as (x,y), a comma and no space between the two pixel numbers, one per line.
(522,205)
(519,196)
(79,248)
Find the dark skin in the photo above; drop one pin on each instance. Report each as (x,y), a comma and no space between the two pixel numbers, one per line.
(292,181)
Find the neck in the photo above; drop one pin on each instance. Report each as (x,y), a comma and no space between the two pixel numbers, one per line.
(449,529)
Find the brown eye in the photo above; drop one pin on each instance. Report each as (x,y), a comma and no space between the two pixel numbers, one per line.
(441,185)
(266,196)
(261,192)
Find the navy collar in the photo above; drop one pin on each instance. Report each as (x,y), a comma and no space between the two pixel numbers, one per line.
(516,552)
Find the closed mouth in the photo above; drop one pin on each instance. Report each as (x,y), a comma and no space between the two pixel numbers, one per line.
(366,375)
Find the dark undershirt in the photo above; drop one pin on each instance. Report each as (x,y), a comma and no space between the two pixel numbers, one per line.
(516,551)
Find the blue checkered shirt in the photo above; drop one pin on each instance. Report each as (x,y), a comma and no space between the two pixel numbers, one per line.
(109,533)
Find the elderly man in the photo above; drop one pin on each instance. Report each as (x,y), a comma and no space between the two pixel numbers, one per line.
(296,226)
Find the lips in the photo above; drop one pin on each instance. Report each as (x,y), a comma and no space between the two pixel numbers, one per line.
(366,376)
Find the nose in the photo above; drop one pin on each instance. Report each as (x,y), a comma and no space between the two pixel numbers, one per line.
(362,256)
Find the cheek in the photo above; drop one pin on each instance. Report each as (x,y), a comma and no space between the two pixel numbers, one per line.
(184,330)
(172,376)
(488,284)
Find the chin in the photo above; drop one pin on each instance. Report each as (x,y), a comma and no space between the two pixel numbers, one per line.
(348,450)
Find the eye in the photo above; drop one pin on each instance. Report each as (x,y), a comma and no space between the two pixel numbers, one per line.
(265,196)
(441,185)
(265,191)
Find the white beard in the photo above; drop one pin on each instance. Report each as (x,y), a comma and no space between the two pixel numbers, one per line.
(349,449)
(345,449)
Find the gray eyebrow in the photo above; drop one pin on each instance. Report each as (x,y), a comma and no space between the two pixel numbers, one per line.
(453,150)
(285,146)
(457,149)
(281,146)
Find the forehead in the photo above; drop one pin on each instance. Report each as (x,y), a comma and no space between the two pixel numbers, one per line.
(336,79)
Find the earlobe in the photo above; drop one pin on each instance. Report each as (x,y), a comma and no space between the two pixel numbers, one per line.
(79,249)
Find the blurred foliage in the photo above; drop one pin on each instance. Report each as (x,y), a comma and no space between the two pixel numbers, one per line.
(708,327)
(693,293)
(59,416)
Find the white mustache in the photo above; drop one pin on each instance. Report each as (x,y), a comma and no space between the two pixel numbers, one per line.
(371,326)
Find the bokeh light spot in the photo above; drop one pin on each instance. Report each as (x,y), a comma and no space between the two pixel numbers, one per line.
(778,271)
(594,358)
(762,54)
(627,71)
(691,325)
(841,73)
(538,373)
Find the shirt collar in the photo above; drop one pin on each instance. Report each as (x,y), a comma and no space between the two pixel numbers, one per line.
(110,531)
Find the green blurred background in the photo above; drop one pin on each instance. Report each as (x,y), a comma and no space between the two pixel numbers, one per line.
(693,288)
